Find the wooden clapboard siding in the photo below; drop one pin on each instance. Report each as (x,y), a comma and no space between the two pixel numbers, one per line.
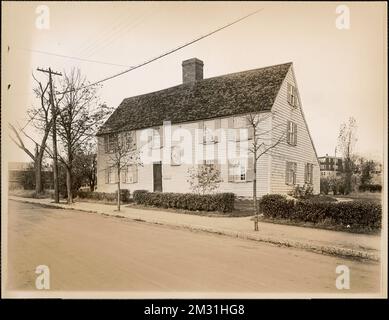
(271,168)
(174,178)
(302,153)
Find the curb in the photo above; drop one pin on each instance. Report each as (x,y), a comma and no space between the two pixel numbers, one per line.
(328,250)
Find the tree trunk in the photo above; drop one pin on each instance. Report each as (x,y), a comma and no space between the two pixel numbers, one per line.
(38,178)
(255,192)
(69,174)
(118,188)
(69,182)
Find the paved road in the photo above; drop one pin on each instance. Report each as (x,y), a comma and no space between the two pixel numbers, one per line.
(88,252)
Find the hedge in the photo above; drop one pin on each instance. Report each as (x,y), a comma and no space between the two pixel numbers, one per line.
(223,202)
(370,187)
(105,196)
(353,213)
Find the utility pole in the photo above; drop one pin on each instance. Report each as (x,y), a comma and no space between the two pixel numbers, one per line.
(54,133)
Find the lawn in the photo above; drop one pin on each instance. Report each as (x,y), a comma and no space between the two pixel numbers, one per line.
(371,196)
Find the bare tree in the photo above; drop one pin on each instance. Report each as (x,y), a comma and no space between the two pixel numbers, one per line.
(346,144)
(123,153)
(261,143)
(89,159)
(204,179)
(40,118)
(79,116)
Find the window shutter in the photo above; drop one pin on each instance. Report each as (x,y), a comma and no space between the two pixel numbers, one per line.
(216,132)
(306,175)
(289,93)
(201,131)
(106,144)
(250,169)
(161,136)
(107,175)
(288,132)
(294,172)
(250,132)
(296,100)
(295,134)
(287,173)
(230,174)
(150,138)
(230,132)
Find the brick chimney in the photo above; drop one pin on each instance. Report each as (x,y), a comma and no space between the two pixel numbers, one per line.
(192,70)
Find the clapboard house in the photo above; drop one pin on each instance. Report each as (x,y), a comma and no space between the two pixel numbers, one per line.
(206,105)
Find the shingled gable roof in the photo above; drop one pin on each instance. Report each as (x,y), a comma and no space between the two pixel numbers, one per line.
(222,96)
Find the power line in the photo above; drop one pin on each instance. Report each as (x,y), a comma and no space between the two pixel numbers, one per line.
(126,29)
(164,54)
(70,57)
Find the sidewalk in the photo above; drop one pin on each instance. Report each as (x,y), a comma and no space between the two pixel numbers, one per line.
(317,240)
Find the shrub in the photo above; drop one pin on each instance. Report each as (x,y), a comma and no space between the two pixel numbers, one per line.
(353,213)
(223,202)
(105,196)
(139,196)
(276,206)
(370,187)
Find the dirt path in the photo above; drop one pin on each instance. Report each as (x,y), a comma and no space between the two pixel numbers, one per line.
(90,252)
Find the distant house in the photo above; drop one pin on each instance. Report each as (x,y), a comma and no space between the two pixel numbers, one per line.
(330,166)
(21,175)
(206,106)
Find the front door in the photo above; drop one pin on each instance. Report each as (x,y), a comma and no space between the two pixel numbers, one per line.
(157,176)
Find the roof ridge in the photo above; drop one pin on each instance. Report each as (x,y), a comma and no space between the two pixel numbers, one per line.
(191,84)
(224,95)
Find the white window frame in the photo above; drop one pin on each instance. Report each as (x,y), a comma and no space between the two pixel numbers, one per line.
(131,171)
(156,138)
(291,173)
(240,123)
(209,128)
(178,149)
(111,175)
(292,96)
(309,173)
(291,134)
(109,142)
(239,169)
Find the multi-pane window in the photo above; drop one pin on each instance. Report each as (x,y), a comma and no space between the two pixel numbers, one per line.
(110,142)
(291,133)
(130,140)
(131,174)
(110,175)
(242,128)
(291,170)
(209,128)
(116,141)
(308,173)
(240,170)
(176,155)
(156,137)
(292,95)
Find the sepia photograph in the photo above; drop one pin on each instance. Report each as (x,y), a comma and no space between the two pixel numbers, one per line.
(194,150)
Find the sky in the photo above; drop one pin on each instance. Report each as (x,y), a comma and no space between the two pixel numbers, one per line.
(340,72)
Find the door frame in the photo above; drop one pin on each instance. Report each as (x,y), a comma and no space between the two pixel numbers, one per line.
(157,163)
